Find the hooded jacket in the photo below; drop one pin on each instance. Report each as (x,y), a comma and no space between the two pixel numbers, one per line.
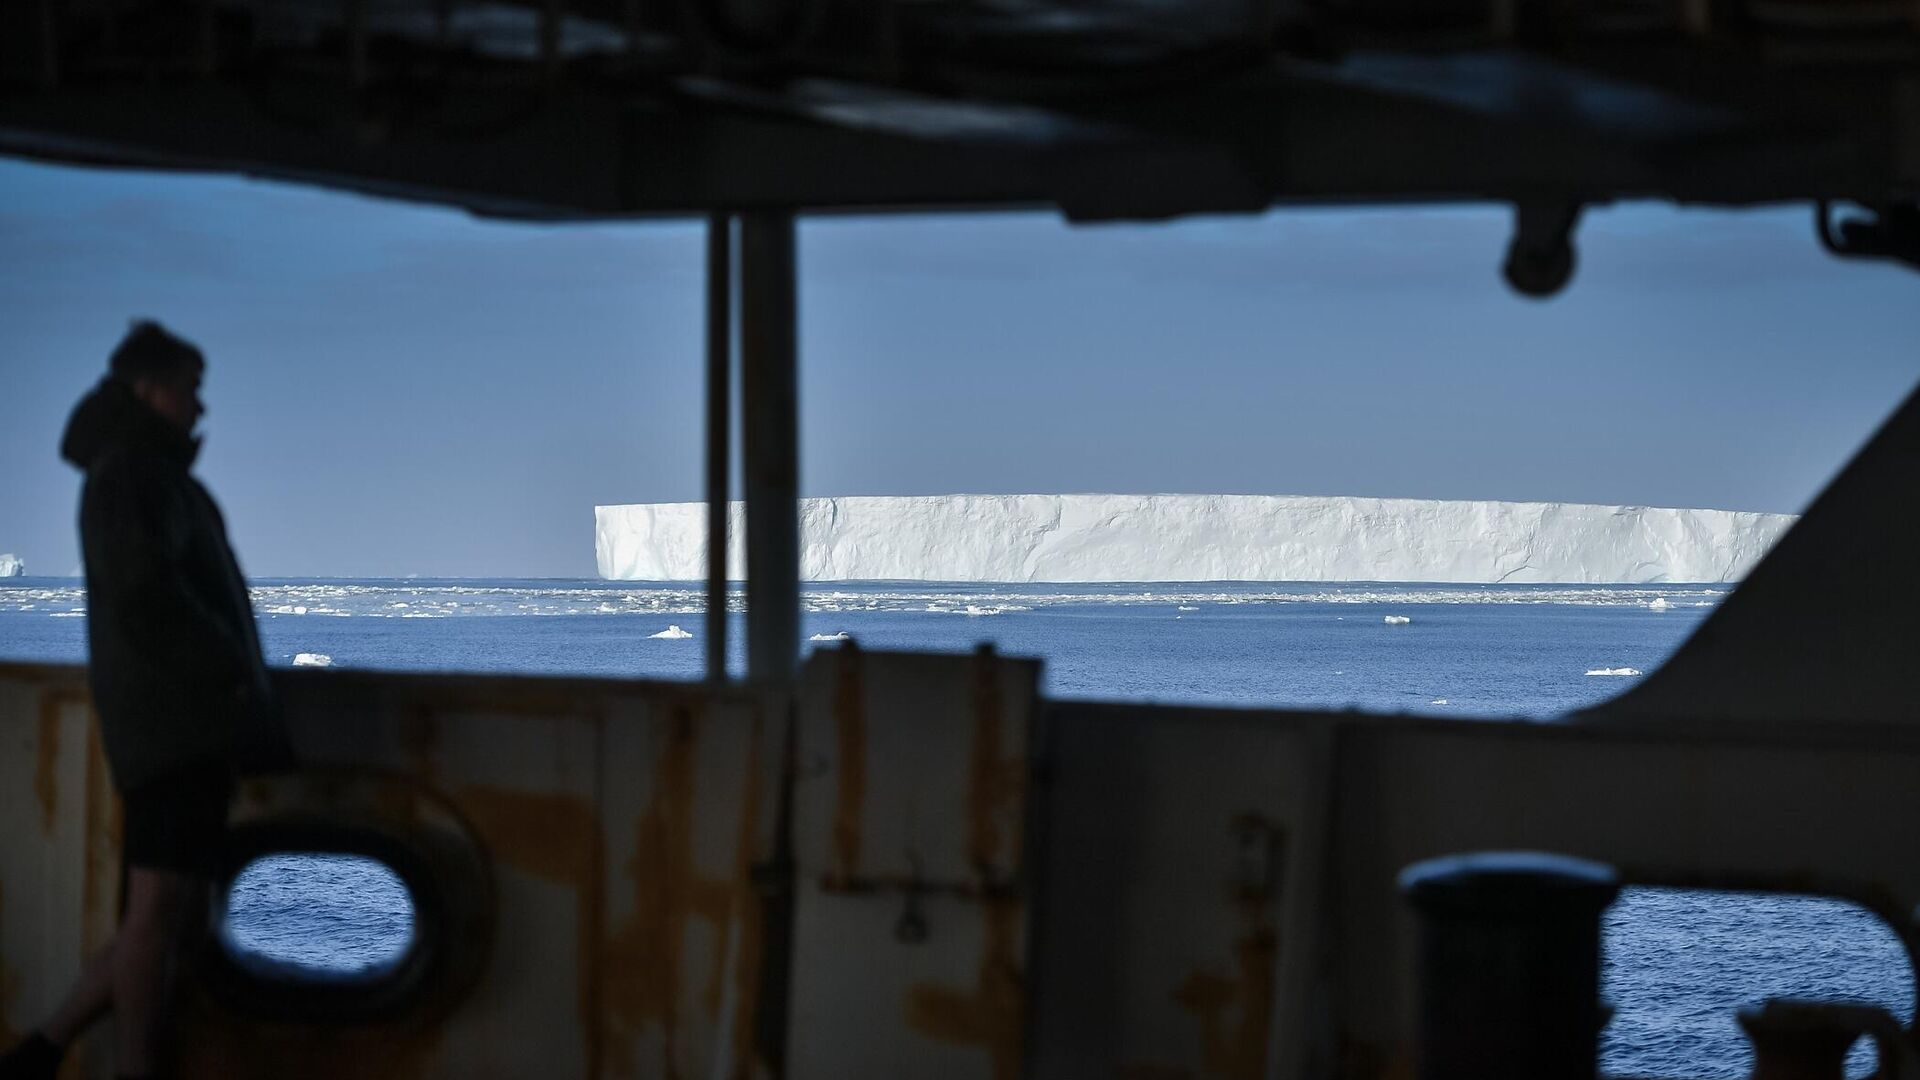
(176,671)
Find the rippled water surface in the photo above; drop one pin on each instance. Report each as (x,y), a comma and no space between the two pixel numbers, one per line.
(1678,962)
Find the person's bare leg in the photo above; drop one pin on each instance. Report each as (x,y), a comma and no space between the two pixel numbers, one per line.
(161,914)
(38,1056)
(88,1001)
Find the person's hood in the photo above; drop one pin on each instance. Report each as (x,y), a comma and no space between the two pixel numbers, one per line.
(111,416)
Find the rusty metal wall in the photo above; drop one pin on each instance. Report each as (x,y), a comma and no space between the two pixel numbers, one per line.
(59,862)
(614,929)
(1793,808)
(1183,854)
(1218,892)
(915,868)
(910,822)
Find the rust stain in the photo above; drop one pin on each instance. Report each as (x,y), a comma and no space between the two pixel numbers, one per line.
(642,957)
(647,968)
(991,1014)
(646,957)
(217,1043)
(1234,1010)
(850,723)
(9,984)
(749,916)
(557,838)
(550,836)
(1375,1061)
(996,787)
(46,769)
(420,737)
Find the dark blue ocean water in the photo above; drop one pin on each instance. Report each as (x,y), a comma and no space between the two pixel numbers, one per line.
(1678,962)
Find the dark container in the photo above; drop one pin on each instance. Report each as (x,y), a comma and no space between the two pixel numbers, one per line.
(1510,964)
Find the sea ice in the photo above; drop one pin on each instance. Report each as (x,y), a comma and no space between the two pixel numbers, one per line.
(312,659)
(1398,620)
(673,633)
(12,566)
(841,636)
(1614,671)
(1659,603)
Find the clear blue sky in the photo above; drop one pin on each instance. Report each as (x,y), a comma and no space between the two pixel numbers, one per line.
(397,389)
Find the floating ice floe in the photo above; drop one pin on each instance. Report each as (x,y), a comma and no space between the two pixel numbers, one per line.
(672,633)
(1439,701)
(12,566)
(1614,671)
(1399,620)
(1188,607)
(1659,603)
(841,636)
(312,659)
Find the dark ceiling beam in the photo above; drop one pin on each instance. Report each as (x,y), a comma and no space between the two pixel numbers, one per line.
(1393,129)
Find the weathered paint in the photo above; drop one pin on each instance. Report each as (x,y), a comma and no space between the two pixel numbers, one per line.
(642,963)
(644,955)
(1233,1010)
(945,777)
(996,788)
(992,1013)
(223,1049)
(749,924)
(419,735)
(850,728)
(1380,1060)
(9,983)
(46,769)
(556,838)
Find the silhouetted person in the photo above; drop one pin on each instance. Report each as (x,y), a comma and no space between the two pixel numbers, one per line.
(178,682)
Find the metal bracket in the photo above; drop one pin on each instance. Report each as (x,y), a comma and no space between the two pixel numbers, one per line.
(1893,232)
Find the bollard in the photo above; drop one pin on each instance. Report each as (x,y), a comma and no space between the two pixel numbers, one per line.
(1510,958)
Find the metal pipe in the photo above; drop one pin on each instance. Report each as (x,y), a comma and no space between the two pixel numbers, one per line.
(719,433)
(770,443)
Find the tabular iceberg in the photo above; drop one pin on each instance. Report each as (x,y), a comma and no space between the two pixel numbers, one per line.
(12,566)
(1095,538)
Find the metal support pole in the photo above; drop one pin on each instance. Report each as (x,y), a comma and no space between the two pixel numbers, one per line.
(771,442)
(719,433)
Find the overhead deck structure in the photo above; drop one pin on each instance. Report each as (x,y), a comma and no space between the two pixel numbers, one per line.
(907,865)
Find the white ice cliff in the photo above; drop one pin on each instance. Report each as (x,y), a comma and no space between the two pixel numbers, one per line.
(1018,538)
(12,566)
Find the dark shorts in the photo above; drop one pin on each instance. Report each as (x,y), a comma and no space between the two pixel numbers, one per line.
(179,822)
